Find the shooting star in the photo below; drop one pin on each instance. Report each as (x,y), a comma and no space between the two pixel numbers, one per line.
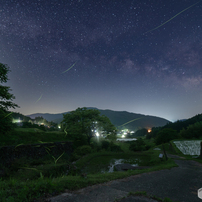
(173,17)
(129,122)
(69,68)
(39,98)
(7,115)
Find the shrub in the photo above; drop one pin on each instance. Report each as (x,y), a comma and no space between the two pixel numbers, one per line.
(83,150)
(114,147)
(79,140)
(138,145)
(105,144)
(110,146)
(95,146)
(165,136)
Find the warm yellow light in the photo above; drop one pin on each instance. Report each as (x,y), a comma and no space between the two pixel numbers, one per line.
(149,131)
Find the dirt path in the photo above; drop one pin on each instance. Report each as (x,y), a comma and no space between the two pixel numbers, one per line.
(179,184)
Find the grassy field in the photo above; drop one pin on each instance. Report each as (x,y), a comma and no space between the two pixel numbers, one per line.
(31,136)
(40,178)
(29,179)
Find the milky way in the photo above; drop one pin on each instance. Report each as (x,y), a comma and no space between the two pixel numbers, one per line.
(118,55)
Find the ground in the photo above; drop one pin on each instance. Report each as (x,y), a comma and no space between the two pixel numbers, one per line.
(179,184)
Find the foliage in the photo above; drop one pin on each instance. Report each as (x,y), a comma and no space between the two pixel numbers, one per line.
(114,147)
(166,135)
(84,123)
(6,99)
(189,128)
(31,136)
(31,179)
(192,131)
(83,150)
(17,190)
(105,144)
(180,124)
(139,145)
(5,121)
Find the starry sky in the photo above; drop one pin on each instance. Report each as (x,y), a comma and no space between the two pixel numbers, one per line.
(125,55)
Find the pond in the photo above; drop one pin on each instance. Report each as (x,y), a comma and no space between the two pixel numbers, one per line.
(126,139)
(110,168)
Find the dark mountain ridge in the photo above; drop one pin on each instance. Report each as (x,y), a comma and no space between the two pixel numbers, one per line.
(121,119)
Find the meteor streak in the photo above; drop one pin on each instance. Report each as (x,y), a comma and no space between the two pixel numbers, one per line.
(173,17)
(129,122)
(69,68)
(39,98)
(7,115)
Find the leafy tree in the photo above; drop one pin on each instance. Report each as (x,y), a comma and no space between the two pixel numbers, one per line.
(192,131)
(138,145)
(166,135)
(82,124)
(6,99)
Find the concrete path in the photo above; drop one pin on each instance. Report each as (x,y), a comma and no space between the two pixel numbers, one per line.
(179,184)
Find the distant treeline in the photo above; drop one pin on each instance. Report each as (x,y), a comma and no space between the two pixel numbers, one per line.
(188,129)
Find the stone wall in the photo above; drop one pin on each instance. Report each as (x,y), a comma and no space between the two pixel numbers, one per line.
(10,153)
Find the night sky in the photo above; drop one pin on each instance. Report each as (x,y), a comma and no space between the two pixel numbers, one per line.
(126,55)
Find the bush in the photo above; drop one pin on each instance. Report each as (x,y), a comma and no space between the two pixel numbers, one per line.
(83,150)
(165,136)
(105,144)
(95,146)
(110,146)
(114,147)
(5,122)
(138,145)
(79,140)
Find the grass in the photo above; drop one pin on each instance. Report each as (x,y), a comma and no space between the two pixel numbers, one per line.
(143,193)
(35,178)
(30,179)
(31,136)
(27,190)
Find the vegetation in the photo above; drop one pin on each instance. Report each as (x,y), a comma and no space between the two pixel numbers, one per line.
(188,129)
(143,193)
(192,131)
(82,124)
(166,135)
(31,136)
(29,179)
(139,145)
(6,99)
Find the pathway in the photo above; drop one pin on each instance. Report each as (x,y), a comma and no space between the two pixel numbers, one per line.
(179,184)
